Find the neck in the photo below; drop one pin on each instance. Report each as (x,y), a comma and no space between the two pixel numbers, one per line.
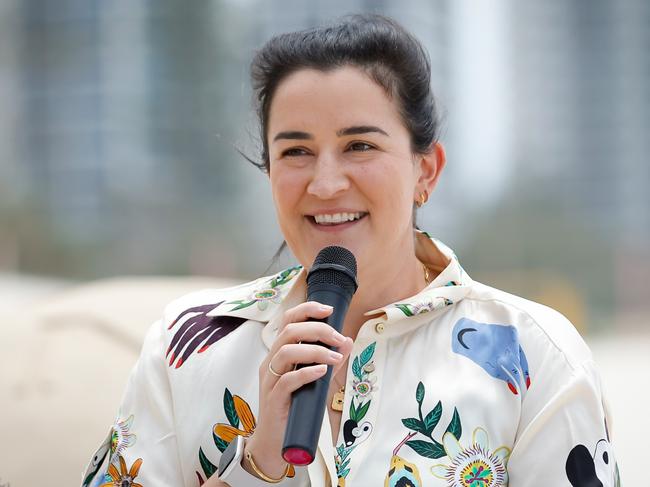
(382,285)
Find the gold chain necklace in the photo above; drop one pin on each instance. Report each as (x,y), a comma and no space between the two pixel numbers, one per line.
(427,279)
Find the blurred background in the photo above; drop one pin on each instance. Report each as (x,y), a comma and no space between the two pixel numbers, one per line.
(121,185)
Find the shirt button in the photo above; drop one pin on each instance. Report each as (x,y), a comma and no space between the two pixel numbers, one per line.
(379,327)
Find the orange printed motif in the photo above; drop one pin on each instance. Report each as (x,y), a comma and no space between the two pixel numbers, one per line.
(241,422)
(228,432)
(124,477)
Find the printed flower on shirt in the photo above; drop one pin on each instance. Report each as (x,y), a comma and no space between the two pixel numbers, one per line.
(241,422)
(412,309)
(120,437)
(271,292)
(363,383)
(124,477)
(355,430)
(474,466)
(363,386)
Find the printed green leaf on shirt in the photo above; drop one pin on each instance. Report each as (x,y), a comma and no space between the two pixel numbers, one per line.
(427,449)
(285,276)
(362,410)
(208,467)
(229,408)
(220,443)
(454,425)
(367,354)
(414,424)
(358,412)
(404,308)
(356,369)
(361,360)
(425,425)
(241,304)
(419,393)
(431,420)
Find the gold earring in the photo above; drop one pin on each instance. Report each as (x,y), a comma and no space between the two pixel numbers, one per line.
(424,197)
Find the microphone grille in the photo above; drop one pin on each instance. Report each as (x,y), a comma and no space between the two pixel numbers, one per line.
(324,270)
(337,255)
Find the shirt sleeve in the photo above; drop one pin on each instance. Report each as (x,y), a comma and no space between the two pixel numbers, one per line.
(141,446)
(563,439)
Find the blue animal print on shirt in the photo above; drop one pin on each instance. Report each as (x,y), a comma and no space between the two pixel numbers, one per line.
(495,348)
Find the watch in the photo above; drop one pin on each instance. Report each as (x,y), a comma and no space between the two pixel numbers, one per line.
(231,470)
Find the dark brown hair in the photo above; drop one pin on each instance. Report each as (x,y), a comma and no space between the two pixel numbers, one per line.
(379,46)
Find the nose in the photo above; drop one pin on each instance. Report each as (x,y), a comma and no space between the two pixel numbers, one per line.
(329,178)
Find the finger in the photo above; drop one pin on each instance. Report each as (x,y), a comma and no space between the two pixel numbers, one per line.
(291,354)
(291,381)
(305,312)
(310,331)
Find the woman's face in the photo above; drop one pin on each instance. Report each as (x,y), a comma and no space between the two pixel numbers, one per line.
(341,168)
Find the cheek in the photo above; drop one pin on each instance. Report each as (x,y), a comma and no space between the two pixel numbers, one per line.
(284,188)
(391,190)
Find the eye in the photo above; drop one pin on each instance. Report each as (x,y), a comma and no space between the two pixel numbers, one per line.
(360,146)
(294,152)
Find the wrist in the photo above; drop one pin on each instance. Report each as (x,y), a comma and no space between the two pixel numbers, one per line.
(259,462)
(232,472)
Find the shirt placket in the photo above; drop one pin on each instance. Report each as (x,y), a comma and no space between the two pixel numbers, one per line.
(359,416)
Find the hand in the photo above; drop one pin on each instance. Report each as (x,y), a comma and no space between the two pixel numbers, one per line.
(286,352)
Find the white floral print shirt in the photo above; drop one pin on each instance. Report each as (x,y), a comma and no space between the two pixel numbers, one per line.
(461,385)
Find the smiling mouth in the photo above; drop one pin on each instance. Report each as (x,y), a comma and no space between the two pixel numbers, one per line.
(336,218)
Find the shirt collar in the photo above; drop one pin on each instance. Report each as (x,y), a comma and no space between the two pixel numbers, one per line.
(259,299)
(451,284)
(266,298)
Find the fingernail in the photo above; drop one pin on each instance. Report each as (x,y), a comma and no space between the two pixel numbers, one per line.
(335,356)
(325,307)
(320,369)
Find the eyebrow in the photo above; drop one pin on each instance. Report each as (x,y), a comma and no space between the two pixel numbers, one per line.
(355,130)
(360,129)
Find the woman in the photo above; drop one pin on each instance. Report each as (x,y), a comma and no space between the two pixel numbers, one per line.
(437,379)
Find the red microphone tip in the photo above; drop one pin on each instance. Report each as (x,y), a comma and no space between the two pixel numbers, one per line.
(297,456)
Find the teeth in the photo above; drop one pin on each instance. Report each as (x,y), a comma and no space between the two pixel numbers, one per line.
(337,217)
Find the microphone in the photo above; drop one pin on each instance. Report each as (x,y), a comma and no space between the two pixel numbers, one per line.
(332,280)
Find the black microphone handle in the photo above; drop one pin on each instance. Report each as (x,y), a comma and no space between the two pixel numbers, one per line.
(308,402)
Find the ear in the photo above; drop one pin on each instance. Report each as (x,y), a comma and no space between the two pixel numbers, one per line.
(430,165)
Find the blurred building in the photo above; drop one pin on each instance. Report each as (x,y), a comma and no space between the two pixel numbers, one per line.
(120,124)
(582,84)
(116,112)
(581,107)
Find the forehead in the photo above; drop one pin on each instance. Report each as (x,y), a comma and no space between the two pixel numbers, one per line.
(345,96)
